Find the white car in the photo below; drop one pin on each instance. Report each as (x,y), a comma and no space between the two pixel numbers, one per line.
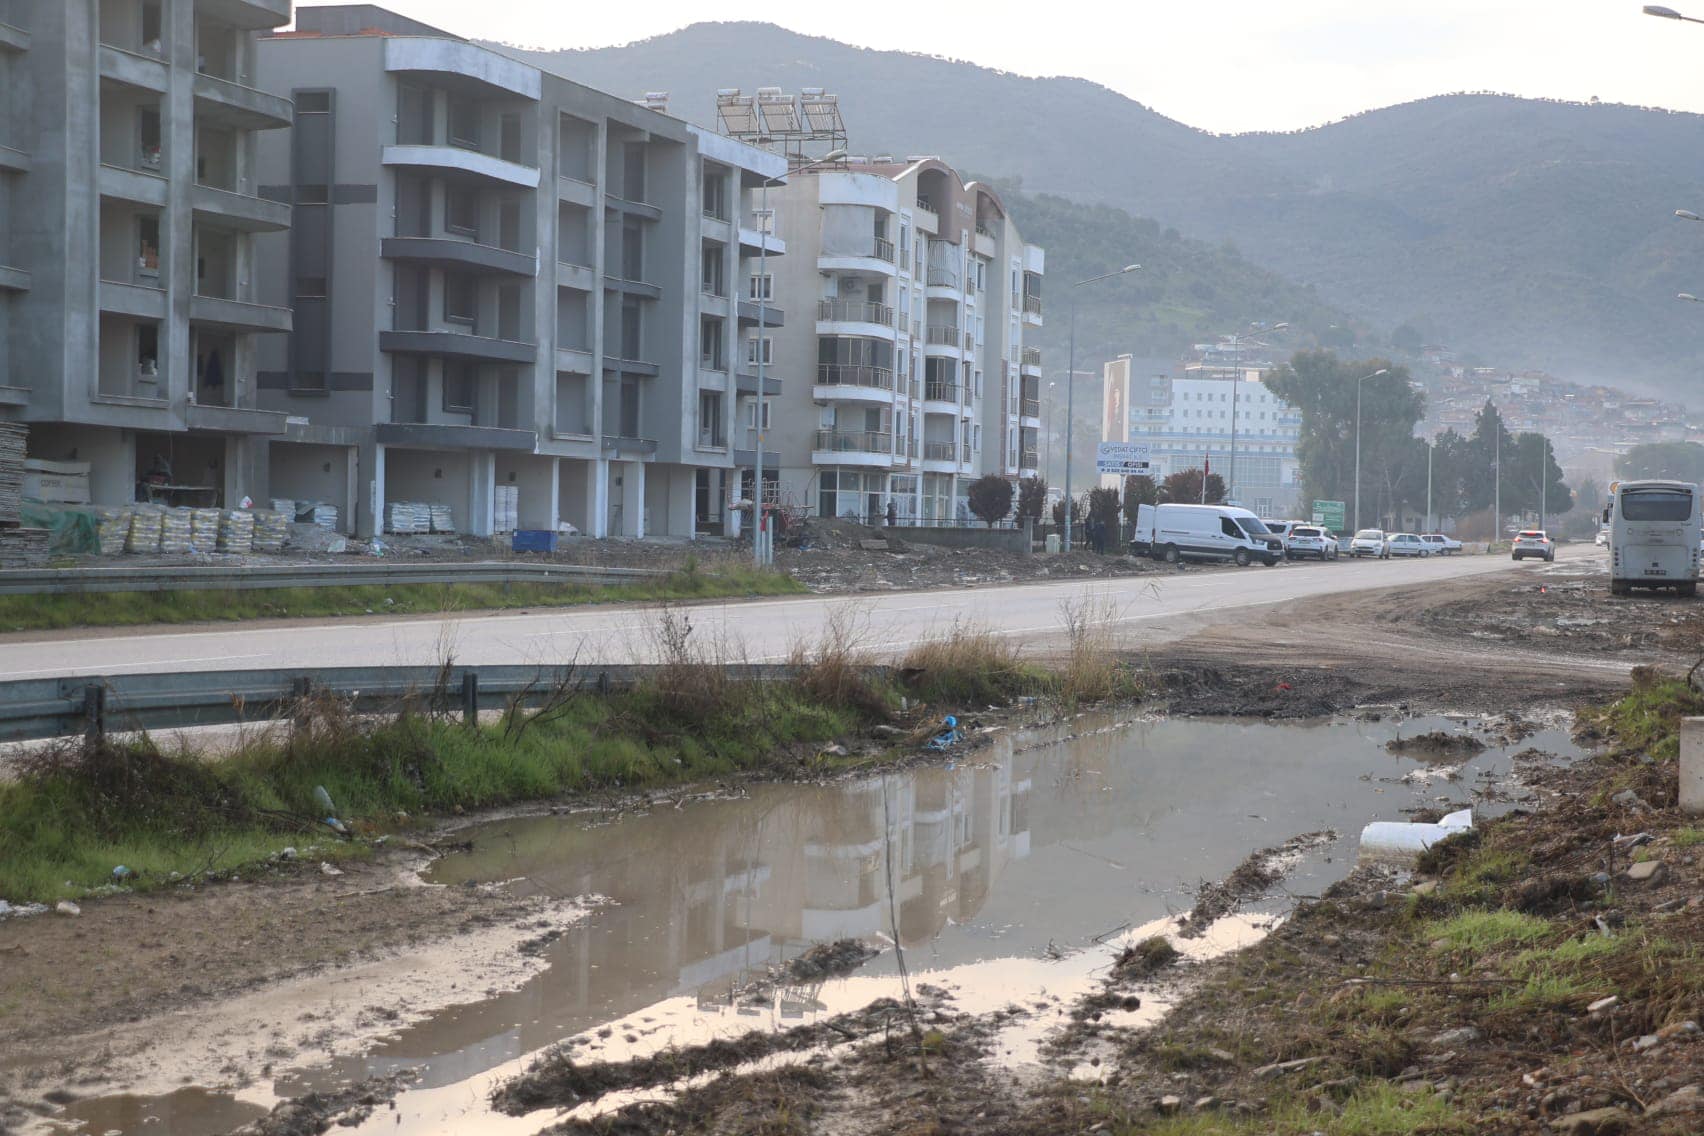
(1441,544)
(1533,542)
(1406,544)
(1367,542)
(1280,529)
(1310,540)
(1602,538)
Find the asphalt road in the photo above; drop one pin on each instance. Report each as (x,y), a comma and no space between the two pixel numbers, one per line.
(1149,609)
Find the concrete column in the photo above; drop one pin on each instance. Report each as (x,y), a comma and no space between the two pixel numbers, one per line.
(726,482)
(597,498)
(370,467)
(245,470)
(481,496)
(111,455)
(1692,766)
(633,499)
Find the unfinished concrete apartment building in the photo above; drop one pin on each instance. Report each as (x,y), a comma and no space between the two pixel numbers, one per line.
(505,285)
(130,320)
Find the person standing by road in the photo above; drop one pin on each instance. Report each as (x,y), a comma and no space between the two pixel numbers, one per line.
(892,513)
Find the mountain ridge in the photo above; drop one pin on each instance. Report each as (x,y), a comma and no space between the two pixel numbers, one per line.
(1524,232)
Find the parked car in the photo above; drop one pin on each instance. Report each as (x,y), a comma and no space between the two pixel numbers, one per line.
(1406,544)
(1602,538)
(1533,542)
(1441,544)
(1367,542)
(1309,540)
(1173,532)
(1279,529)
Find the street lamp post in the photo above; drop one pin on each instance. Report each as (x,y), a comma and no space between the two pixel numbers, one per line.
(1664,13)
(762,551)
(1431,444)
(1071,390)
(1358,382)
(1236,386)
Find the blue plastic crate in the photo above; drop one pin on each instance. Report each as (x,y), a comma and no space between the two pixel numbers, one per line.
(534,540)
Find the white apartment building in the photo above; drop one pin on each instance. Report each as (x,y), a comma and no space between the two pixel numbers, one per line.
(907,375)
(1193,417)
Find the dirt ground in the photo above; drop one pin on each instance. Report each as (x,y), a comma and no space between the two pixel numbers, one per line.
(82,996)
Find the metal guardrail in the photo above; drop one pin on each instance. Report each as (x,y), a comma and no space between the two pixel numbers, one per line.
(154,578)
(91,705)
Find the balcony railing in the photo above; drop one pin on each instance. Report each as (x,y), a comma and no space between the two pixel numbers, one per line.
(855,311)
(854,441)
(1032,305)
(966,453)
(854,375)
(942,278)
(941,392)
(942,334)
(1031,408)
(940,451)
(1031,357)
(970,341)
(927,205)
(1029,460)
(884,249)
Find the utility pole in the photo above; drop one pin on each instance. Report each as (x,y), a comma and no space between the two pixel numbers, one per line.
(1428,523)
(1543,476)
(1497,483)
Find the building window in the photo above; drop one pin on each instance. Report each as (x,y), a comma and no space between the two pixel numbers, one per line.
(710,354)
(148,350)
(760,348)
(715,194)
(461,210)
(415,119)
(710,419)
(761,286)
(458,387)
(148,247)
(461,298)
(310,288)
(464,123)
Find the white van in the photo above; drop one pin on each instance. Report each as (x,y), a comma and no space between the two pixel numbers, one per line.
(1219,532)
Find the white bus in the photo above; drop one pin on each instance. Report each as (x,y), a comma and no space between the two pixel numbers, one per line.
(1653,536)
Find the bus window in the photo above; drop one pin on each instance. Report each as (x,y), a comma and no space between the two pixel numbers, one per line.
(1656,505)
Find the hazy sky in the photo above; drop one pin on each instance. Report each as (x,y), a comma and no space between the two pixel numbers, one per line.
(1226,65)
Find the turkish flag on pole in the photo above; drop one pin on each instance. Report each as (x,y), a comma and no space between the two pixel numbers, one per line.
(1206,471)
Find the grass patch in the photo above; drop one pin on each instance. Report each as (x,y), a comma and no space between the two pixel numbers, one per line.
(129,609)
(970,666)
(1482,931)
(1687,837)
(1647,720)
(1378,1109)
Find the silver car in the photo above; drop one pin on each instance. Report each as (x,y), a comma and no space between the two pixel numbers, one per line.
(1533,542)
(1406,544)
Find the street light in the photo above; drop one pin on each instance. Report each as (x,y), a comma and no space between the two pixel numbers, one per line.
(1236,385)
(1689,297)
(1663,13)
(1358,382)
(1071,389)
(1687,215)
(1047,453)
(761,552)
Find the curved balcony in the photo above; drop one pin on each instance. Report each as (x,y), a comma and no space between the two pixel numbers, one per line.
(943,339)
(940,398)
(854,317)
(220,102)
(853,382)
(240,211)
(455,160)
(226,314)
(457,345)
(852,447)
(1032,311)
(878,258)
(942,457)
(445,252)
(13,38)
(469,63)
(250,15)
(943,284)
(1029,362)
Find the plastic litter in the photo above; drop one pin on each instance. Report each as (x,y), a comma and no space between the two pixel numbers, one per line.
(1400,842)
(322,800)
(948,737)
(121,873)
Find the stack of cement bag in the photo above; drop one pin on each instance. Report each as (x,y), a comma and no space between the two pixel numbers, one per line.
(271,527)
(146,527)
(236,531)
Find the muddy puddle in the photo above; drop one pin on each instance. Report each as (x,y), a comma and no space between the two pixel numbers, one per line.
(1012,876)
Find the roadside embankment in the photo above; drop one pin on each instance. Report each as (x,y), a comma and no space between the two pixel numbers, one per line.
(692,581)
